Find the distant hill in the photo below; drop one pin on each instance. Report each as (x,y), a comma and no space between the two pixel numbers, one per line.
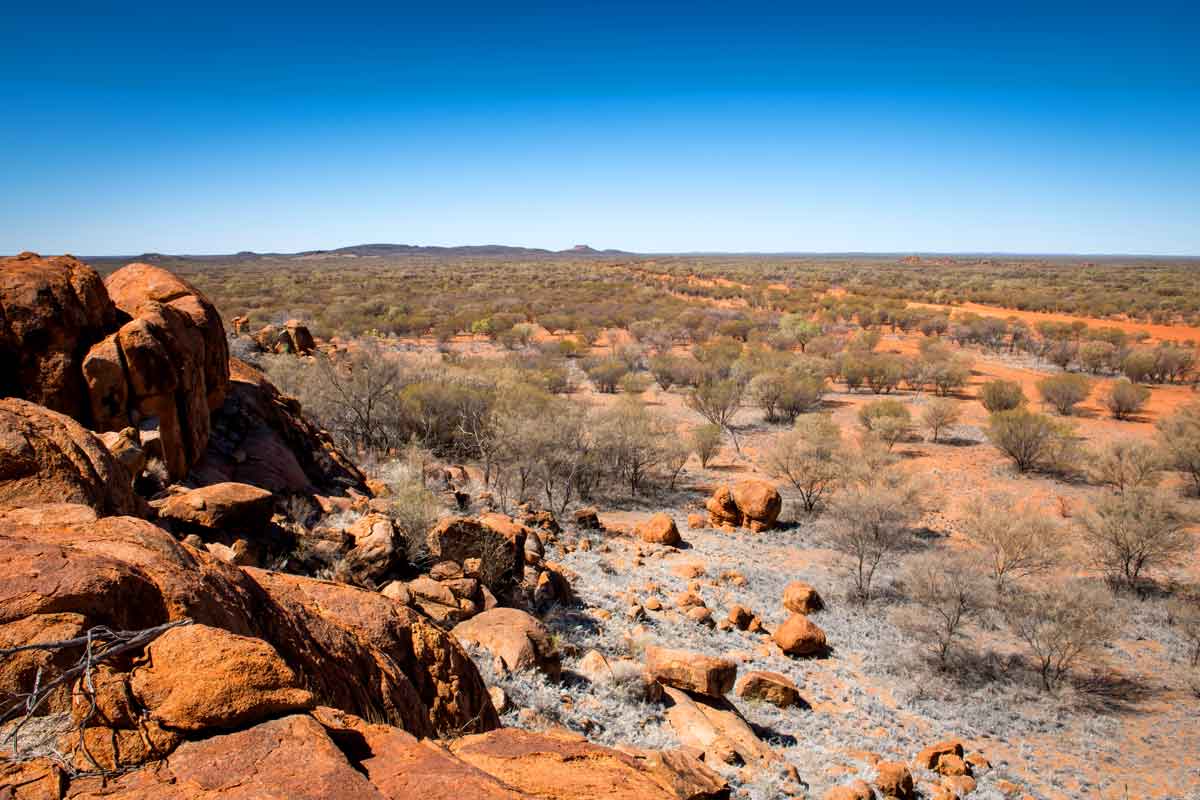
(379,250)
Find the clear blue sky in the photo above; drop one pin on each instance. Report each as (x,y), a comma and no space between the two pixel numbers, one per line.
(1039,127)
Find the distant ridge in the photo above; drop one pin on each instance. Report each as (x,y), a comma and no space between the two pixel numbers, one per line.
(377,250)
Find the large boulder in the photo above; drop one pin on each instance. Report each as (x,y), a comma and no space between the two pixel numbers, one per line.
(659,529)
(714,727)
(235,507)
(128,574)
(51,311)
(800,636)
(770,687)
(517,640)
(801,598)
(259,437)
(752,503)
(47,457)
(694,672)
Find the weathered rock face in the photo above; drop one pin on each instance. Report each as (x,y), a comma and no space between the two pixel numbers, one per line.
(751,503)
(130,575)
(259,437)
(565,767)
(327,755)
(165,370)
(197,677)
(47,457)
(293,337)
(51,311)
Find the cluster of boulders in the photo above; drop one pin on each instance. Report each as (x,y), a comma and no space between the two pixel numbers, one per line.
(751,503)
(951,773)
(291,338)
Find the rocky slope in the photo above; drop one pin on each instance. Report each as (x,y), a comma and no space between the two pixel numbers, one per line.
(138,659)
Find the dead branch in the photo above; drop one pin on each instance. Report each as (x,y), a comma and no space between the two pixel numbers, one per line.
(100,644)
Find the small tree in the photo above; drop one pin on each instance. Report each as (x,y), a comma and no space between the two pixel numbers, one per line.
(1064,391)
(870,527)
(1135,531)
(1125,398)
(1031,440)
(606,373)
(1001,395)
(1060,625)
(942,590)
(1180,438)
(810,458)
(1016,542)
(706,442)
(1126,464)
(718,401)
(939,414)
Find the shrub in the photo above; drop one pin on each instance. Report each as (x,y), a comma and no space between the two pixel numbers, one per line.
(870,413)
(666,370)
(1016,542)
(870,527)
(1031,440)
(1098,356)
(810,458)
(1125,464)
(1135,531)
(635,383)
(939,414)
(942,590)
(1001,395)
(606,373)
(1139,365)
(1125,397)
(1179,435)
(706,442)
(1064,391)
(1060,625)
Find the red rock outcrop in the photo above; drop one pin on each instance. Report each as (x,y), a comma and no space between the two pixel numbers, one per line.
(129,574)
(47,457)
(51,311)
(165,370)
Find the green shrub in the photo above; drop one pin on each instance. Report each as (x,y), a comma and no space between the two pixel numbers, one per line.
(1001,395)
(1125,398)
(1064,391)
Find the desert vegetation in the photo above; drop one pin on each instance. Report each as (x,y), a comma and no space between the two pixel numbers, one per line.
(929,505)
